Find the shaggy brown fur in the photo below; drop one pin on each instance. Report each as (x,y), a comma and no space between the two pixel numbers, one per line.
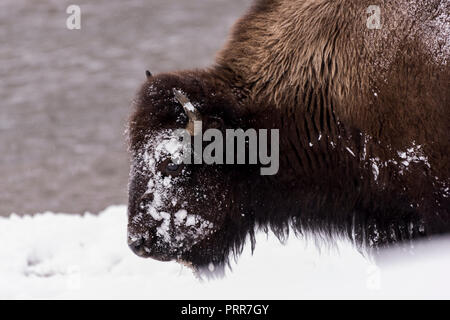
(364,120)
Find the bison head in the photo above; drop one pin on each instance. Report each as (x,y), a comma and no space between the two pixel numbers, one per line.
(177,211)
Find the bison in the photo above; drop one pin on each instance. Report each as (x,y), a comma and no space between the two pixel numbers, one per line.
(363,116)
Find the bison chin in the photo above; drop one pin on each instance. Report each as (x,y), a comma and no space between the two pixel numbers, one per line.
(191,256)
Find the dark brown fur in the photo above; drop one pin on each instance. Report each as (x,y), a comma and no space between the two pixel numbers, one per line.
(348,101)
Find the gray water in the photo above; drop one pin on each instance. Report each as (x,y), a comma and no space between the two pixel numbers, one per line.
(65,95)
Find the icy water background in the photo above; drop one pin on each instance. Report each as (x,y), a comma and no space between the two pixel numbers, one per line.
(65,94)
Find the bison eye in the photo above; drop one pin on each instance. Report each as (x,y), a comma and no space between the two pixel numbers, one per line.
(170,168)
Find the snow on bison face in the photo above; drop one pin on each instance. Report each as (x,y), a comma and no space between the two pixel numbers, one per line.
(177,211)
(170,215)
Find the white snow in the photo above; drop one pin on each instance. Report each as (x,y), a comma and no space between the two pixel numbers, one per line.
(190,221)
(350,151)
(413,155)
(163,229)
(189,106)
(180,215)
(375,170)
(69,256)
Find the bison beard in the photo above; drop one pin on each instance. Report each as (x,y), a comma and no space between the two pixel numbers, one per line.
(364,133)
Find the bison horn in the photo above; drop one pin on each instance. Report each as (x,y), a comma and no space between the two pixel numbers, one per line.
(190,110)
(148,74)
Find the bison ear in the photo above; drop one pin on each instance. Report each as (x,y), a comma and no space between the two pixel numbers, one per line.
(148,74)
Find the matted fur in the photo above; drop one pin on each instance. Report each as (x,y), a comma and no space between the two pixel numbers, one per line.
(363,114)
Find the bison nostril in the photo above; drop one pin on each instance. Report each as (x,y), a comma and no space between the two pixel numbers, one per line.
(148,197)
(146,200)
(138,247)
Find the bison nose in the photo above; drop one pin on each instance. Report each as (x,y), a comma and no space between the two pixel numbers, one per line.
(138,247)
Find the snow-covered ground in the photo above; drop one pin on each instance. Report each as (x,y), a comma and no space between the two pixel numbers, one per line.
(67,256)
